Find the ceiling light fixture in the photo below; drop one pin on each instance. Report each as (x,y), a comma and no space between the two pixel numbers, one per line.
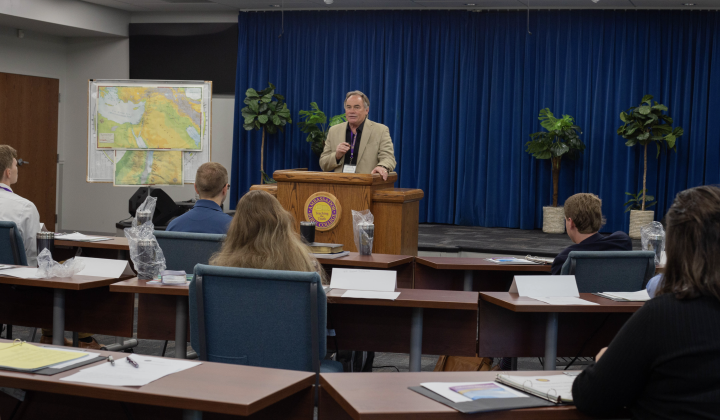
(328,1)
(469,4)
(688,4)
(274,5)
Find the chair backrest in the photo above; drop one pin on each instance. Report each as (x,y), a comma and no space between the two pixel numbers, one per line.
(184,250)
(610,271)
(262,318)
(12,247)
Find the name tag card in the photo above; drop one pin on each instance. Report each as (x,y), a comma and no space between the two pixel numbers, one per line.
(358,279)
(556,286)
(349,169)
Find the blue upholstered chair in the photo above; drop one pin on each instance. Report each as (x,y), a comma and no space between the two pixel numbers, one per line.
(610,271)
(12,247)
(12,251)
(183,250)
(266,318)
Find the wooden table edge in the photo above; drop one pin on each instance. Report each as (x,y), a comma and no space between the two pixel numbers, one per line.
(151,290)
(401,303)
(342,402)
(93,244)
(471,267)
(64,286)
(127,394)
(546,308)
(366,264)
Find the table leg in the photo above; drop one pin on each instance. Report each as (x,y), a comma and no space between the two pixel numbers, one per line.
(468,281)
(551,337)
(75,339)
(181,319)
(416,331)
(58,317)
(192,415)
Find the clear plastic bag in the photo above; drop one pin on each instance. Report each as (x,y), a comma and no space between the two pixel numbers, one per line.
(49,268)
(145,253)
(364,231)
(652,237)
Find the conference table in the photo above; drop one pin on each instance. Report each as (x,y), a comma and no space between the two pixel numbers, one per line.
(478,274)
(385,396)
(210,390)
(433,321)
(71,302)
(514,326)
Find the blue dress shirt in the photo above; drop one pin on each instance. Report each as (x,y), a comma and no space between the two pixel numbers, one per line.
(205,217)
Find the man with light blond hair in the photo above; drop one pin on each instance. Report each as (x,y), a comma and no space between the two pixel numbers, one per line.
(14,208)
(583,220)
(359,145)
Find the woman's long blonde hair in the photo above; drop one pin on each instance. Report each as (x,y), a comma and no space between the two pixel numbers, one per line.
(261,235)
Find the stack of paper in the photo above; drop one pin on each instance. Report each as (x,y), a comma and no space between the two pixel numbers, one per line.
(103,267)
(640,296)
(365,284)
(553,290)
(123,373)
(22,273)
(26,357)
(80,237)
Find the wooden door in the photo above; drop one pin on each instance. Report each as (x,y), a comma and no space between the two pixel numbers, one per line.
(29,123)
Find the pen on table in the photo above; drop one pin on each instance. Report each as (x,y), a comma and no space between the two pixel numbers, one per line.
(111,360)
(132,362)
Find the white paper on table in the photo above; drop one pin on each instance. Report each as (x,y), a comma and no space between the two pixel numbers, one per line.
(443,389)
(531,286)
(370,294)
(82,238)
(564,300)
(640,296)
(125,374)
(22,273)
(358,279)
(103,267)
(663,258)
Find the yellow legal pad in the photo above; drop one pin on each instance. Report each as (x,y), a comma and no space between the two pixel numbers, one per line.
(24,356)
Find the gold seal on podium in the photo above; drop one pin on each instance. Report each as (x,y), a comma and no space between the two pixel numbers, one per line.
(324,209)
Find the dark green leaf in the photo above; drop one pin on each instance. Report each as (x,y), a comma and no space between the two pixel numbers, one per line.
(263,119)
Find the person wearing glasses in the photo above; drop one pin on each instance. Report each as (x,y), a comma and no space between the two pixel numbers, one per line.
(359,145)
(206,216)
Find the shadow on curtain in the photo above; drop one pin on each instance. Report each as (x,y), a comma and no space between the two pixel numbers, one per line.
(461,93)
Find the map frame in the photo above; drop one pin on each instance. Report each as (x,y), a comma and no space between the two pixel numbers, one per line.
(100,166)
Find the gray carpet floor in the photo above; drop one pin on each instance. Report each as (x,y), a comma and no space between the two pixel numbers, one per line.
(453,238)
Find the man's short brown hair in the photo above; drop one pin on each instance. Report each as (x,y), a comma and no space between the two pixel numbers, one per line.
(7,154)
(210,179)
(585,210)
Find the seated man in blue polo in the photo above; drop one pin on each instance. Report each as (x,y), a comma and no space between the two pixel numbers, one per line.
(583,219)
(211,184)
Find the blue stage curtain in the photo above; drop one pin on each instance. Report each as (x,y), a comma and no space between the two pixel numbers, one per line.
(461,92)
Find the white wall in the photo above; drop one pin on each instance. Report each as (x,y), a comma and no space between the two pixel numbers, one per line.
(83,206)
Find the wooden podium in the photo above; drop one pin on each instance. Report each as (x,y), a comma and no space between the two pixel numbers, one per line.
(395,209)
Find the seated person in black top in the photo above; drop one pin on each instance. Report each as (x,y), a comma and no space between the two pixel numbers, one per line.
(664,363)
(583,219)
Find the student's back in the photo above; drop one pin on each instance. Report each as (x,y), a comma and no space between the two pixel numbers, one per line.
(665,361)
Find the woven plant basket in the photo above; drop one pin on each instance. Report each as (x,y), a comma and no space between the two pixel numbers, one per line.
(553,220)
(638,219)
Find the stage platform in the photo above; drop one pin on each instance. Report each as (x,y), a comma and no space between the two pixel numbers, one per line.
(469,240)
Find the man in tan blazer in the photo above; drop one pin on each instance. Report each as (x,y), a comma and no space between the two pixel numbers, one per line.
(359,145)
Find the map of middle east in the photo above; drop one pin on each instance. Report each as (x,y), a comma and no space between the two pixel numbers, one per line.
(140,167)
(150,118)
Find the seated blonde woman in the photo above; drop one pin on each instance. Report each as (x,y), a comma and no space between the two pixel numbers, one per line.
(262,235)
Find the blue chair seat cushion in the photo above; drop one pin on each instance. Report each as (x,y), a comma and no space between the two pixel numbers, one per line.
(331,366)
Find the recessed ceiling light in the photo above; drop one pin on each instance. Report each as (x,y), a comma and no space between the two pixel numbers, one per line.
(688,4)
(469,4)
(274,5)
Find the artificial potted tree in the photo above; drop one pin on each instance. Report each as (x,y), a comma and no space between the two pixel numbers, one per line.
(266,111)
(315,124)
(560,139)
(645,124)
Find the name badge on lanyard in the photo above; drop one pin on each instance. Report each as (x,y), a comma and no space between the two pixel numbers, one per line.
(349,169)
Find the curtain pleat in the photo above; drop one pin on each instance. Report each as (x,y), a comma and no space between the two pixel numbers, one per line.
(461,91)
